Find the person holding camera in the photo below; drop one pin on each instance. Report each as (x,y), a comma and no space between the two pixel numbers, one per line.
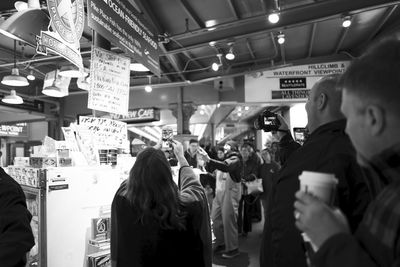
(224,212)
(328,149)
(155,222)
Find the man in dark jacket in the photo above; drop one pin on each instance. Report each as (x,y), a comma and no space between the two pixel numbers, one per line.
(371,105)
(224,212)
(16,238)
(329,150)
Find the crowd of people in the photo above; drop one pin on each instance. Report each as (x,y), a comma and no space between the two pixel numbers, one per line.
(354,134)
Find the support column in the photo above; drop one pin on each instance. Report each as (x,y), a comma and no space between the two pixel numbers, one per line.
(182,112)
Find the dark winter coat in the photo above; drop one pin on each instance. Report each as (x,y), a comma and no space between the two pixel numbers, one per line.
(329,150)
(16,238)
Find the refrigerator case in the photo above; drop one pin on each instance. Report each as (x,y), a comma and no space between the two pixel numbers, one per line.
(35,201)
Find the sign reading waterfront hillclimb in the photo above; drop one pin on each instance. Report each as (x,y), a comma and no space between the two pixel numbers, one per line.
(109,82)
(119,22)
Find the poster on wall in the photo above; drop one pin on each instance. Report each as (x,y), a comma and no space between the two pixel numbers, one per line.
(109,82)
(124,26)
(107,133)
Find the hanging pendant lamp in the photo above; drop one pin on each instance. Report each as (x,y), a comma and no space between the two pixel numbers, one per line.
(15,79)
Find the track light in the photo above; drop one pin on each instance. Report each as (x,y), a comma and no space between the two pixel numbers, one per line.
(273,17)
(148,87)
(30,76)
(281,38)
(346,22)
(230,55)
(215,66)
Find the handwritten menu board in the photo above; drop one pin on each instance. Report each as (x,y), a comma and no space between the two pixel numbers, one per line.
(107,133)
(109,82)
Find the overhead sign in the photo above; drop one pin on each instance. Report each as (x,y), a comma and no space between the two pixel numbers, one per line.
(16,130)
(321,69)
(67,19)
(292,83)
(139,115)
(119,22)
(107,133)
(109,82)
(290,94)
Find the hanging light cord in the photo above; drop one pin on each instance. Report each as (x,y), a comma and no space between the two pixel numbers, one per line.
(15,54)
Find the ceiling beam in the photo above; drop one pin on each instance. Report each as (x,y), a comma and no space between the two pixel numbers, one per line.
(290,18)
(379,26)
(312,37)
(147,10)
(341,39)
(233,8)
(250,49)
(192,14)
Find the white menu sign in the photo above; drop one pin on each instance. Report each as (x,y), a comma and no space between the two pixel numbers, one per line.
(109,82)
(106,132)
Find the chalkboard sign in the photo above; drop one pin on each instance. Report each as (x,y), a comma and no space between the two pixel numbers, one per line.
(109,82)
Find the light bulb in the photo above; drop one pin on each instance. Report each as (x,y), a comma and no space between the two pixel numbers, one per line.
(273,17)
(239,108)
(201,112)
(215,66)
(239,114)
(346,22)
(281,38)
(148,88)
(246,108)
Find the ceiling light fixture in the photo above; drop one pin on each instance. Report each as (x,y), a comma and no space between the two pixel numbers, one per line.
(30,76)
(139,67)
(15,79)
(25,25)
(57,86)
(346,22)
(215,66)
(230,55)
(72,72)
(273,17)
(281,38)
(246,108)
(212,43)
(12,98)
(148,87)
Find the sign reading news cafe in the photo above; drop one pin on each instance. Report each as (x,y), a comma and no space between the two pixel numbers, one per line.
(290,83)
(67,22)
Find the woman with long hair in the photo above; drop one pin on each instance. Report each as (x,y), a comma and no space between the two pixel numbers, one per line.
(155,222)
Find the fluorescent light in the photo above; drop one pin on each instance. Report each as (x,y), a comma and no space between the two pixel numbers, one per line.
(273,17)
(138,67)
(14,79)
(12,98)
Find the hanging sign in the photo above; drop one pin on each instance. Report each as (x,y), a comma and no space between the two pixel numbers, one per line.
(292,83)
(139,115)
(107,133)
(19,129)
(119,22)
(290,94)
(64,39)
(109,82)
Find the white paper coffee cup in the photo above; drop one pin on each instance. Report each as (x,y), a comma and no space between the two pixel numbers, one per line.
(320,185)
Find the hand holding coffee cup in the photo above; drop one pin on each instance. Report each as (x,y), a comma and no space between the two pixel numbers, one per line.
(320,185)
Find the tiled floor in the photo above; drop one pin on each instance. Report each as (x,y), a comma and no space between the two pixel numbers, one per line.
(249,250)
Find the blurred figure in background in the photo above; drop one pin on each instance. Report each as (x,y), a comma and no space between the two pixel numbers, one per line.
(247,203)
(274,151)
(191,153)
(225,205)
(153,220)
(268,172)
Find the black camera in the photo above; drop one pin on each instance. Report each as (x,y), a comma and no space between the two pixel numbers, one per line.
(267,121)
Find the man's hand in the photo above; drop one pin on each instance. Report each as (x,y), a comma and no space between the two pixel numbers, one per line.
(318,220)
(203,153)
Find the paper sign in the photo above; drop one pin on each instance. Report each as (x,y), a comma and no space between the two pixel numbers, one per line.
(107,133)
(109,82)
(70,139)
